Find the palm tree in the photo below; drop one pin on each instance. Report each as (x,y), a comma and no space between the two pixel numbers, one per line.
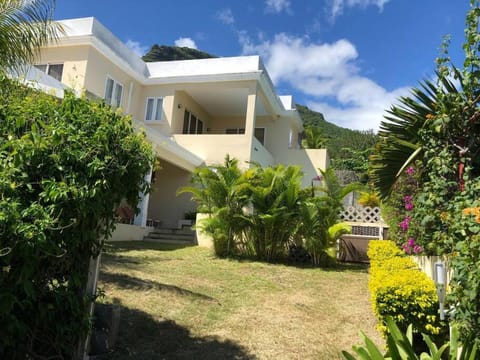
(314,138)
(25,27)
(400,141)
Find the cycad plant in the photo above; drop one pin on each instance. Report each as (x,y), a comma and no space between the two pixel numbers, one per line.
(400,141)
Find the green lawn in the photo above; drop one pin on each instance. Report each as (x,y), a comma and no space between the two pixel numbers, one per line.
(183,303)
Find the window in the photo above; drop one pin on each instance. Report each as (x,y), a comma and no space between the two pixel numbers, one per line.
(259,133)
(153,109)
(192,124)
(54,70)
(113,92)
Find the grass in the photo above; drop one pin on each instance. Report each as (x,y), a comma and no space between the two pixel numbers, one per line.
(183,303)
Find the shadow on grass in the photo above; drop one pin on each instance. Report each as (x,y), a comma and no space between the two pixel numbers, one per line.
(132,283)
(120,246)
(143,337)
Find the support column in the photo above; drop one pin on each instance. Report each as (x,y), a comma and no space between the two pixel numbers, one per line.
(141,218)
(250,116)
(250,120)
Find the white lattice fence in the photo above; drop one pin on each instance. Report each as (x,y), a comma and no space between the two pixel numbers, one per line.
(367,224)
(364,214)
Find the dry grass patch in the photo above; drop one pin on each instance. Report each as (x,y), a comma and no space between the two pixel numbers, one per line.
(186,304)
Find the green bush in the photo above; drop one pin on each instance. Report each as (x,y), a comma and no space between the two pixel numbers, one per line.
(64,167)
(400,346)
(399,289)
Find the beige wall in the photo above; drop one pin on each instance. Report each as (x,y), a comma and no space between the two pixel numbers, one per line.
(164,91)
(218,125)
(98,68)
(164,205)
(310,161)
(183,102)
(74,59)
(213,148)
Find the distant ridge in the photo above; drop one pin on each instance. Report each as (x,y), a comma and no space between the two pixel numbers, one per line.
(171,53)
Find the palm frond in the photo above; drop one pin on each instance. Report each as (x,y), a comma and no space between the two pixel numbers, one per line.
(25,27)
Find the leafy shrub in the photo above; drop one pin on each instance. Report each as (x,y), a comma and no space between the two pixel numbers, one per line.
(65,165)
(400,290)
(400,346)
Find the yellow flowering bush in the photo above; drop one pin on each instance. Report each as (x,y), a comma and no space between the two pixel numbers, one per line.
(401,290)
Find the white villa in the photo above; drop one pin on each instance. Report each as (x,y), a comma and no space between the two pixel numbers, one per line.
(193,111)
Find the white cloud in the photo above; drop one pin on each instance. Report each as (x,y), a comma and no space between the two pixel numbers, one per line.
(337,6)
(277,6)
(226,16)
(328,74)
(136,47)
(186,42)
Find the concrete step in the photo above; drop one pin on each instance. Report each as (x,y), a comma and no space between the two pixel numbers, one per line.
(172,236)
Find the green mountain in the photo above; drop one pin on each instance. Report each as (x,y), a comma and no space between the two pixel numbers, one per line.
(170,53)
(343,144)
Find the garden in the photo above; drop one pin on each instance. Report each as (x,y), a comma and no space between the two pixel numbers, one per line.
(66,164)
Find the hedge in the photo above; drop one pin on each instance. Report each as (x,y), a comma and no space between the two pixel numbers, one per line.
(65,165)
(399,289)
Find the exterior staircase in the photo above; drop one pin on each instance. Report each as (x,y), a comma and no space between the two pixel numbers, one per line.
(184,237)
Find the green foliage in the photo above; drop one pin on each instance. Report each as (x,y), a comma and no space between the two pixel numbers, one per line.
(319,225)
(256,213)
(219,191)
(314,138)
(25,26)
(64,167)
(451,177)
(274,194)
(400,290)
(393,207)
(369,198)
(353,159)
(401,346)
(170,53)
(341,143)
(441,129)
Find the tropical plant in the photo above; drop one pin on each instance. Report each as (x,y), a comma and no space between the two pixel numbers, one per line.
(369,198)
(314,138)
(400,142)
(319,226)
(400,346)
(217,191)
(274,195)
(25,27)
(333,191)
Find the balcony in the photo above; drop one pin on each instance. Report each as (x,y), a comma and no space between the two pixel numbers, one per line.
(213,148)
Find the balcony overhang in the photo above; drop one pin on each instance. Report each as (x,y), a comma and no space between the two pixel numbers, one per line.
(168,150)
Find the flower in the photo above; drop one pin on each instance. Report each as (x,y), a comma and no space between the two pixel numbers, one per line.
(405,223)
(417,249)
(473,211)
(411,247)
(410,170)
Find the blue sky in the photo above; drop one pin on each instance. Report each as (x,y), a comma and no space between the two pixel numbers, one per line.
(349,59)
